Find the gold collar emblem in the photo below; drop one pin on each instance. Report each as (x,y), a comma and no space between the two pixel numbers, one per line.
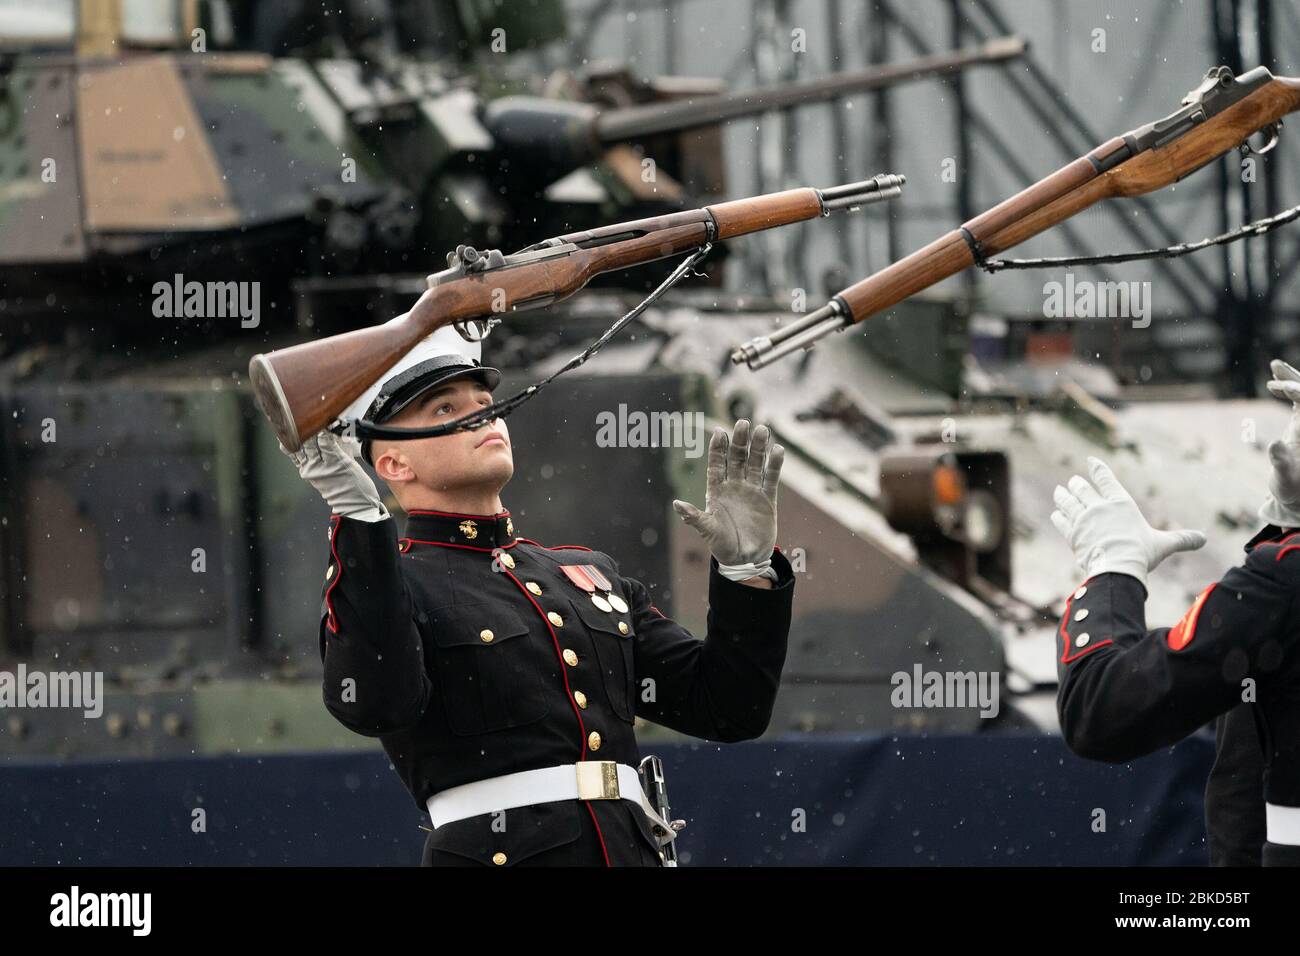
(510,526)
(469,529)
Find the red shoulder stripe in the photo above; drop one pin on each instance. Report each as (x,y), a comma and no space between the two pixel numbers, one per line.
(1181,634)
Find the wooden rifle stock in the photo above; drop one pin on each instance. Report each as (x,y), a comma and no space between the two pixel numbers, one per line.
(304,388)
(1138,162)
(1070,190)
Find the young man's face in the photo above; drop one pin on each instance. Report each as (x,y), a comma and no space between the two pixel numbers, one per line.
(480,459)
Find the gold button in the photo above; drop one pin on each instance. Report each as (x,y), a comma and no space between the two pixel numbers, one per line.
(570,658)
(534,587)
(593,740)
(622,627)
(507,560)
(581,698)
(486,635)
(499,859)
(1080,614)
(1082,640)
(555,619)
(1083,589)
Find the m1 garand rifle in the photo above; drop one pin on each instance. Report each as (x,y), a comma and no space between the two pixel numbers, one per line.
(304,388)
(1220,115)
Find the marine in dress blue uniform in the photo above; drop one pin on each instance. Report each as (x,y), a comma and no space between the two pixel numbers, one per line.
(1126,690)
(496,670)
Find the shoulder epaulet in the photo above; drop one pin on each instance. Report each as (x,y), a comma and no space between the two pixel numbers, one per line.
(1276,550)
(1278,561)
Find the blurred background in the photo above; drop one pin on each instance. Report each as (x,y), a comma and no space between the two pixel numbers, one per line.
(314,161)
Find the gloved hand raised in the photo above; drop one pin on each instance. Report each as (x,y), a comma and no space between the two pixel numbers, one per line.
(338,477)
(1282,506)
(1107,531)
(739,516)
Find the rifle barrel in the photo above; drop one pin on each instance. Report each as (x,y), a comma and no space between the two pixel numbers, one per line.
(766,349)
(853,195)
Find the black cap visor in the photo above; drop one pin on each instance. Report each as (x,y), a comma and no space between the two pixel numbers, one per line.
(401,390)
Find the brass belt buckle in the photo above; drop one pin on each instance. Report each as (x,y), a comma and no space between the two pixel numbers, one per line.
(597,780)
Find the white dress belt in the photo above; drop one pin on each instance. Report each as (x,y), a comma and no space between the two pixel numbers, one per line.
(586,780)
(1283,824)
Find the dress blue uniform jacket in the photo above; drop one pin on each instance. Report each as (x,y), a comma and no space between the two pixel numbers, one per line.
(470,654)
(1126,691)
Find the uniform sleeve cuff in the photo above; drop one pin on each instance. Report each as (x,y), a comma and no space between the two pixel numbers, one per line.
(782,575)
(743,572)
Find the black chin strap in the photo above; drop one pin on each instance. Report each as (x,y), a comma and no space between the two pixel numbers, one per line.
(365,430)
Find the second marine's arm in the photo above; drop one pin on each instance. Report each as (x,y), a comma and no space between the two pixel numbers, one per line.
(1125,690)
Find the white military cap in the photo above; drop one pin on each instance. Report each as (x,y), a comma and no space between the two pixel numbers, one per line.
(440,357)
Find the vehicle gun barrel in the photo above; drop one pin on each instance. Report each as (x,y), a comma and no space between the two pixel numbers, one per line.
(631,122)
(554,137)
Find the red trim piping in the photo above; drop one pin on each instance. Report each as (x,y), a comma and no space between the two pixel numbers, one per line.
(1277,542)
(455,514)
(1065,637)
(564,668)
(577,711)
(580,547)
(594,822)
(331,619)
(463,547)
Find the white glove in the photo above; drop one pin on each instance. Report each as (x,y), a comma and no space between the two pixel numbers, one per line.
(1107,531)
(739,516)
(1282,506)
(340,479)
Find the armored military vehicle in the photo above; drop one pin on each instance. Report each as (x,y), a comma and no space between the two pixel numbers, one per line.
(184,185)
